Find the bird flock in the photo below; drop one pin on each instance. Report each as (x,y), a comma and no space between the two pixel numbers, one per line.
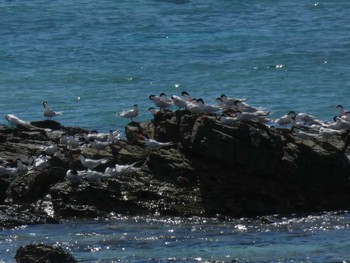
(228,111)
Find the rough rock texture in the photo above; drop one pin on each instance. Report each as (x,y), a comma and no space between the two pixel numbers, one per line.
(35,253)
(212,169)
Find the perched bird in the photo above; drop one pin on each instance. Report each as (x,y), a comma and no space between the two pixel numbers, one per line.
(93,175)
(14,120)
(91,163)
(48,112)
(75,176)
(249,116)
(230,102)
(346,116)
(160,103)
(99,145)
(307,119)
(120,169)
(341,111)
(51,149)
(178,102)
(41,162)
(244,107)
(152,110)
(304,135)
(72,142)
(195,107)
(129,114)
(154,145)
(186,96)
(227,120)
(326,133)
(206,108)
(114,136)
(103,137)
(285,119)
(164,97)
(344,124)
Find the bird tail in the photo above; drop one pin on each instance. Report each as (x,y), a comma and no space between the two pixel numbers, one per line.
(105,160)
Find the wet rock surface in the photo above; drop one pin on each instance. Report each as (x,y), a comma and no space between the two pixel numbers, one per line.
(211,169)
(34,253)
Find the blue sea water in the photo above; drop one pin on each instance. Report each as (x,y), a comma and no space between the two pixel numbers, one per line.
(91,59)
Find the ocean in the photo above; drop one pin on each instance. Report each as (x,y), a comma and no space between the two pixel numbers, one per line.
(92,59)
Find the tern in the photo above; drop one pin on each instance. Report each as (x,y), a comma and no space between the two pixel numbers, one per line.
(14,120)
(129,114)
(227,120)
(244,107)
(120,169)
(152,110)
(91,163)
(72,142)
(326,133)
(207,109)
(48,112)
(51,149)
(186,96)
(304,135)
(75,176)
(114,136)
(285,119)
(248,116)
(178,102)
(341,111)
(195,107)
(99,145)
(164,97)
(103,137)
(155,145)
(160,103)
(230,102)
(41,162)
(93,175)
(307,119)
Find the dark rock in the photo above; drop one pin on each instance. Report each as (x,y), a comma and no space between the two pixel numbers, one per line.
(47,124)
(29,188)
(34,253)
(212,169)
(14,216)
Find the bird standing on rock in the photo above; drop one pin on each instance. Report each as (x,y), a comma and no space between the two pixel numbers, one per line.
(304,135)
(161,103)
(129,114)
(155,145)
(91,163)
(48,112)
(75,176)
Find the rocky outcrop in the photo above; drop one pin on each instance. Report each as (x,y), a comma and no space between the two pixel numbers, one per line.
(34,253)
(211,169)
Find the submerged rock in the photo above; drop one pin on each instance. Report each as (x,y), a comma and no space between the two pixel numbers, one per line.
(34,253)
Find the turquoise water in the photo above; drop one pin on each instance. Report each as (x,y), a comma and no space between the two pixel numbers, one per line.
(112,54)
(318,238)
(91,59)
